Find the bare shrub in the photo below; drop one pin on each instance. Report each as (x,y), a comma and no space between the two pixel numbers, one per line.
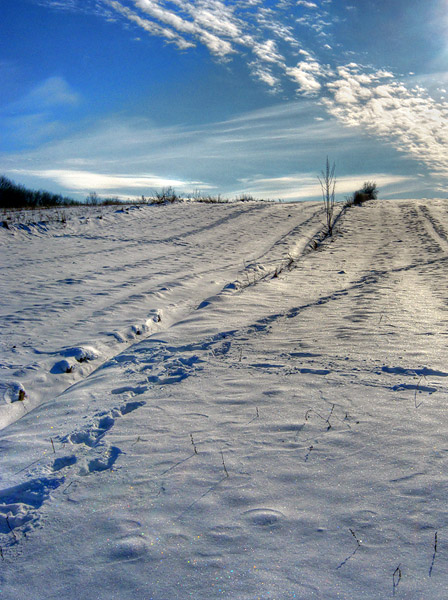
(328,187)
(369,191)
(165,196)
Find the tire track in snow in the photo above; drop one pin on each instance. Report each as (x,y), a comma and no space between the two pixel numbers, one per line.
(67,316)
(434,227)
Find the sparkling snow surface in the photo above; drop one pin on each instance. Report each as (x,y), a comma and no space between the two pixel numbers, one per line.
(187,413)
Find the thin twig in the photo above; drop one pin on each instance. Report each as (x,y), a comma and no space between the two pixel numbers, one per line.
(358,546)
(51,440)
(224,464)
(257,416)
(310,449)
(434,555)
(193,444)
(417,390)
(64,491)
(396,578)
(329,417)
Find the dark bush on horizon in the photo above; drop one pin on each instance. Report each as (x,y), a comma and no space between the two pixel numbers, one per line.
(13,195)
(369,191)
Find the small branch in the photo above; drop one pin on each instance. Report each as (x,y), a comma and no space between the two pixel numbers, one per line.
(310,449)
(358,546)
(329,417)
(354,535)
(224,464)
(51,440)
(434,555)
(193,444)
(257,416)
(416,392)
(396,578)
(64,491)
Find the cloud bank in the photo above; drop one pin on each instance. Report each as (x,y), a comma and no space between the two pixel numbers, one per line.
(271,43)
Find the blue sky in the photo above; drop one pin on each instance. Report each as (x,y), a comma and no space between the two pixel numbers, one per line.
(124,97)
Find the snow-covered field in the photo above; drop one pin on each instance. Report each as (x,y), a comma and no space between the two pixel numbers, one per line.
(186,414)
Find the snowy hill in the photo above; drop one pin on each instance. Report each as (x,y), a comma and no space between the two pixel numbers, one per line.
(200,402)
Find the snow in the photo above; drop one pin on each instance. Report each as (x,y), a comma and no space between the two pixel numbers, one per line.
(214,406)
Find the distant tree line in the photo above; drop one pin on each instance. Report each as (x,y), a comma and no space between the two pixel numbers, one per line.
(13,195)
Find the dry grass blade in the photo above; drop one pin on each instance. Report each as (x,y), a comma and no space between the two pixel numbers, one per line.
(396,578)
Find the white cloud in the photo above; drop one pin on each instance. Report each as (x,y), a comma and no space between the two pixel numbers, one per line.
(151,27)
(268,39)
(306,74)
(264,74)
(86,181)
(307,187)
(207,25)
(409,119)
(53,91)
(267,51)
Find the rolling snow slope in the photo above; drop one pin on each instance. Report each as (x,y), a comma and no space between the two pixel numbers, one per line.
(106,277)
(270,437)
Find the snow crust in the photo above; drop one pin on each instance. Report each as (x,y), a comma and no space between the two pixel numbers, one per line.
(200,403)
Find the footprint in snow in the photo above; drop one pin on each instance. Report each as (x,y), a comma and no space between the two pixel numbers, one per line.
(264,517)
(103,462)
(92,434)
(19,504)
(64,461)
